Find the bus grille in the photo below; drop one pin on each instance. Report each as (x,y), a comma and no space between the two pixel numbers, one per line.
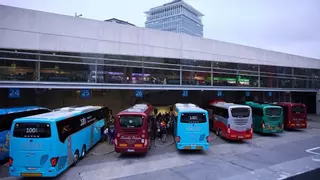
(240,122)
(130,131)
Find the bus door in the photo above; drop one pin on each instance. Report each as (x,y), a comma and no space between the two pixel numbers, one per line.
(298,115)
(98,125)
(193,128)
(31,145)
(70,153)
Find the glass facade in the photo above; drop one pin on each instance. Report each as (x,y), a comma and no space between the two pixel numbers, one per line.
(22,65)
(176,17)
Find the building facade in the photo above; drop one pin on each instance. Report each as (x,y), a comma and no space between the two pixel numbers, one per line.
(50,51)
(115,20)
(176,16)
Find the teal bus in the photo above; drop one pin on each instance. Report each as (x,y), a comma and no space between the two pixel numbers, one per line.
(45,145)
(267,118)
(191,127)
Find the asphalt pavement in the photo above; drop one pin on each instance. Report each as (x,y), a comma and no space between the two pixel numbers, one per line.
(292,155)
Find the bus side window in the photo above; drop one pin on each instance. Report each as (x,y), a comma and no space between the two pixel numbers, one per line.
(285,112)
(6,122)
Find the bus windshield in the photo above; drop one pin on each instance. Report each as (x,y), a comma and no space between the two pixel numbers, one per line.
(297,109)
(32,130)
(130,121)
(193,118)
(240,112)
(273,111)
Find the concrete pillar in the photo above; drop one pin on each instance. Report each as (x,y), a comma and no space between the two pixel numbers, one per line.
(318,102)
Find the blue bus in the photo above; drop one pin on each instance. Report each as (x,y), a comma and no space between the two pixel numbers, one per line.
(191,127)
(46,145)
(7,115)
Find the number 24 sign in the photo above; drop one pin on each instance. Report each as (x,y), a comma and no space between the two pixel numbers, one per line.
(14,93)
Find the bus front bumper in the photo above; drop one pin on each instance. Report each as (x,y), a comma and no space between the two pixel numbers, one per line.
(22,172)
(131,149)
(272,130)
(188,146)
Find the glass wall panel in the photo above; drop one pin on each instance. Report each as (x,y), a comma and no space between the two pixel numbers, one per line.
(196,78)
(268,69)
(18,55)
(299,71)
(225,65)
(11,70)
(161,63)
(159,76)
(196,65)
(284,83)
(220,79)
(270,82)
(248,67)
(284,70)
(317,84)
(249,81)
(64,72)
(299,83)
(111,74)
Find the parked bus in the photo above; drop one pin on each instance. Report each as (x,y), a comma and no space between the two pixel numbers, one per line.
(7,115)
(191,127)
(294,115)
(232,121)
(266,118)
(45,145)
(134,129)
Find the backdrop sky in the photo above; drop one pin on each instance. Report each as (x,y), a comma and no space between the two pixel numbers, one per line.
(280,25)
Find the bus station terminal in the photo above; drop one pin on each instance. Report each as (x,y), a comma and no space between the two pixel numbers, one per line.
(85,99)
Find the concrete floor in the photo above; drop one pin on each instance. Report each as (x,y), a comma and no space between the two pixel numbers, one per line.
(264,157)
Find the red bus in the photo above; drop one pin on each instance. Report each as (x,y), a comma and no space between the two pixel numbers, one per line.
(294,115)
(133,129)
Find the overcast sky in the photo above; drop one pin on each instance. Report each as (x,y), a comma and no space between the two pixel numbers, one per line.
(291,26)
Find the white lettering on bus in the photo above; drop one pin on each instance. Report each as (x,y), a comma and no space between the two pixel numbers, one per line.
(130,138)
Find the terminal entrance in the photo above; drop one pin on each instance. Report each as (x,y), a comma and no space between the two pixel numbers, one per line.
(121,99)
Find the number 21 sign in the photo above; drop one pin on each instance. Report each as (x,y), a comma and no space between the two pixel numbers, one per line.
(14,93)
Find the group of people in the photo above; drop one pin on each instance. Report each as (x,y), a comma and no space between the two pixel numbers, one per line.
(162,123)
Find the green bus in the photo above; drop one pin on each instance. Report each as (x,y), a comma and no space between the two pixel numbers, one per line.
(266,118)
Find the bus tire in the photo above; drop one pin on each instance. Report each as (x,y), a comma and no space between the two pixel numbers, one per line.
(75,157)
(83,152)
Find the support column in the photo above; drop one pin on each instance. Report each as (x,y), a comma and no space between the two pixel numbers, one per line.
(211,73)
(259,76)
(318,103)
(180,75)
(96,70)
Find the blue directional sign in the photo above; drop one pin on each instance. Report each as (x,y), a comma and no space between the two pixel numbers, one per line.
(185,93)
(248,93)
(219,93)
(85,93)
(139,93)
(14,93)
(270,93)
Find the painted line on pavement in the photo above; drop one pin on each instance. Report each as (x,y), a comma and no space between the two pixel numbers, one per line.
(311,151)
(115,172)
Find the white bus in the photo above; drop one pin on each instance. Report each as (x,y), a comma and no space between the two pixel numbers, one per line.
(232,121)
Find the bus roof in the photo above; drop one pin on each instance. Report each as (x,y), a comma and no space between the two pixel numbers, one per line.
(289,104)
(257,105)
(229,105)
(138,108)
(60,114)
(188,108)
(4,111)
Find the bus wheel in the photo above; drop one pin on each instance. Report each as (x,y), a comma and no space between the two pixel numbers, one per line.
(83,151)
(76,157)
(218,131)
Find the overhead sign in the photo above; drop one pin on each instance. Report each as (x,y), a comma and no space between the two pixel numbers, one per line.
(248,93)
(85,93)
(14,93)
(219,93)
(185,93)
(139,93)
(270,93)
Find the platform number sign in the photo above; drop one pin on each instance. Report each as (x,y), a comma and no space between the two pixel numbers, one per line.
(219,93)
(14,93)
(270,93)
(139,93)
(185,93)
(248,93)
(85,93)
